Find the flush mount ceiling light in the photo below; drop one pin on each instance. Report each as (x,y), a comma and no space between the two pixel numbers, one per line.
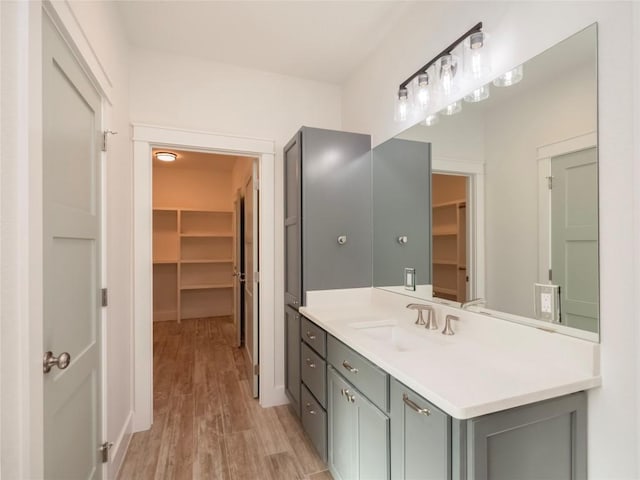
(166,156)
(447,73)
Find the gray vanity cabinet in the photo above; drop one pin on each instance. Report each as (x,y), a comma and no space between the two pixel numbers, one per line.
(328,221)
(358,433)
(420,437)
(292,363)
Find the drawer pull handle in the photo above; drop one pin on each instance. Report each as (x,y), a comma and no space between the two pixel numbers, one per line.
(311,336)
(309,363)
(348,366)
(346,393)
(413,406)
(310,410)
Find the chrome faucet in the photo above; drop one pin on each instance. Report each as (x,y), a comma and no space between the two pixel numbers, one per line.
(431,323)
(471,303)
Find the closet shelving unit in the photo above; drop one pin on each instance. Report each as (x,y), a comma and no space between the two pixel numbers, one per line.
(193,253)
(449,250)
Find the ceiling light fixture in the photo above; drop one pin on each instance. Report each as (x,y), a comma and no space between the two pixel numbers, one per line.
(166,156)
(447,72)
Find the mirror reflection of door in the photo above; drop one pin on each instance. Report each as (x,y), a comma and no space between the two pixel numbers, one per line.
(574,237)
(449,234)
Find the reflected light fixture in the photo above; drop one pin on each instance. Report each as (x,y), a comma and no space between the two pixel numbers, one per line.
(478,94)
(166,156)
(452,109)
(431,119)
(510,78)
(447,73)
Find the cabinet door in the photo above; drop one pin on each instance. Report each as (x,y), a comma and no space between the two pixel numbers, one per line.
(420,437)
(358,433)
(292,357)
(292,221)
(336,191)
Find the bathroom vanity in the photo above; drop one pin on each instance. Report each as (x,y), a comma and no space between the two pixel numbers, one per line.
(383,397)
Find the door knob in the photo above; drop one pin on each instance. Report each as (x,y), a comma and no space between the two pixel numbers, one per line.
(50,360)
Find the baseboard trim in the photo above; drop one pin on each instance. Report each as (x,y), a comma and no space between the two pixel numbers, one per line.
(120,447)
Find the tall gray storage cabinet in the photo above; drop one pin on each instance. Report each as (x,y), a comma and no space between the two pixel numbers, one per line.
(328,225)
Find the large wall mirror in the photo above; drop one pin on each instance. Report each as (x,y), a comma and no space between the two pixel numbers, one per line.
(499,201)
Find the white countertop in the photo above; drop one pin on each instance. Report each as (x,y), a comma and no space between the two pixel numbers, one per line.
(488,366)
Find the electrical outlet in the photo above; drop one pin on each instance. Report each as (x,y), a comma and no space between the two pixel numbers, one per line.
(547,302)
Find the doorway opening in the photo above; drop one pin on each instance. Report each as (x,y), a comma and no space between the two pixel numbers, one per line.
(205,244)
(450,236)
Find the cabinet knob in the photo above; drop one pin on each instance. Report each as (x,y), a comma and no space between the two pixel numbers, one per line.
(310,336)
(402,240)
(309,363)
(310,410)
(342,239)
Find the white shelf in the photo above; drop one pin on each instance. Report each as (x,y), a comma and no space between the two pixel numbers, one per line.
(225,260)
(204,287)
(206,235)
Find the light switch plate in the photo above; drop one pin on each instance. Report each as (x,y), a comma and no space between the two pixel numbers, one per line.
(547,302)
(410,279)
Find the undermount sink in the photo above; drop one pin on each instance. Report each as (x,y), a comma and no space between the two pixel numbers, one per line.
(400,339)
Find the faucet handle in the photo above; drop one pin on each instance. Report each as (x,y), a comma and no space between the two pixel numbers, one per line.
(420,308)
(447,325)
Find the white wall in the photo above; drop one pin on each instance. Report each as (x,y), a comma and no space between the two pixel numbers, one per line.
(519,31)
(177,91)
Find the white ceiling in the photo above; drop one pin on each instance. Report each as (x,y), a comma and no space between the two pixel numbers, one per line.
(318,40)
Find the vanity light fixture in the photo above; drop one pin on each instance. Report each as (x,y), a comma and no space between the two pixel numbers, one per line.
(447,66)
(166,156)
(452,109)
(510,78)
(478,94)
(402,104)
(476,57)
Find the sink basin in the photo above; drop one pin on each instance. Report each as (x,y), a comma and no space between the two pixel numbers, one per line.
(400,339)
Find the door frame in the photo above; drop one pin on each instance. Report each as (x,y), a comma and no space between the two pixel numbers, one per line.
(145,138)
(474,171)
(544,155)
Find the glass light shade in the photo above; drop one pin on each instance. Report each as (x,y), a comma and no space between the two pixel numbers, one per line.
(476,59)
(431,119)
(448,74)
(402,105)
(510,78)
(452,109)
(478,94)
(166,156)
(422,96)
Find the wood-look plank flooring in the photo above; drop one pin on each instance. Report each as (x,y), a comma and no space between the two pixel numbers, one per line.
(206,425)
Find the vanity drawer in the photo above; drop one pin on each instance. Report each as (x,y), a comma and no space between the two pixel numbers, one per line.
(314,373)
(315,337)
(314,422)
(372,381)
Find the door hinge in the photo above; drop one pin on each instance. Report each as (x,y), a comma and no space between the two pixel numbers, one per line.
(256,277)
(550,182)
(105,297)
(256,369)
(550,274)
(256,184)
(105,134)
(104,451)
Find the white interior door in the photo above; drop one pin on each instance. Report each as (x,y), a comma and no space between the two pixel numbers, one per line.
(574,237)
(71,262)
(251,284)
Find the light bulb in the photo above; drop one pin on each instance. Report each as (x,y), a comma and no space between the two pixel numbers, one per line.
(478,94)
(402,104)
(431,119)
(452,109)
(510,78)
(422,92)
(448,70)
(476,62)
